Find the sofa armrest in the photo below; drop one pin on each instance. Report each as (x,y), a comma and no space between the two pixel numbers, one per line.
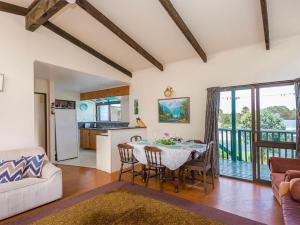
(283,188)
(291,174)
(281,165)
(49,170)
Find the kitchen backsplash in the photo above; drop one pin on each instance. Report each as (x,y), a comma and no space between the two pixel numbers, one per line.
(102,124)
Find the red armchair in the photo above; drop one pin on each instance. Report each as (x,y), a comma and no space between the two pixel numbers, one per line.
(283,170)
(285,175)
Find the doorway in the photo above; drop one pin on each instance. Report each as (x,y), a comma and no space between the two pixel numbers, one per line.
(40,120)
(256,122)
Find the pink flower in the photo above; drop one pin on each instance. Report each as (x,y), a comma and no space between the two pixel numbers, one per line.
(167,135)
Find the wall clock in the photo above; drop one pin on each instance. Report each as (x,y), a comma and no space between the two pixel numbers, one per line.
(83,106)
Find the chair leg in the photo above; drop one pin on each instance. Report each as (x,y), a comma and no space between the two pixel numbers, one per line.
(121,171)
(193,176)
(183,177)
(144,173)
(161,178)
(132,173)
(205,182)
(148,176)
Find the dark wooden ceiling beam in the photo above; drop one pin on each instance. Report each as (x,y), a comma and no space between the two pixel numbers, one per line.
(90,9)
(183,27)
(42,11)
(264,12)
(14,9)
(30,7)
(85,47)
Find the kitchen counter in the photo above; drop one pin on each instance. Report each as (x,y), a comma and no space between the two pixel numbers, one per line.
(112,128)
(125,128)
(95,128)
(108,158)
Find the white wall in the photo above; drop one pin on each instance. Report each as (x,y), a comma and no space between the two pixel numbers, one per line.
(67,95)
(19,49)
(191,78)
(125,108)
(89,115)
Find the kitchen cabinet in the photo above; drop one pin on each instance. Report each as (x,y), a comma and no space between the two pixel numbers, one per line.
(88,138)
(84,138)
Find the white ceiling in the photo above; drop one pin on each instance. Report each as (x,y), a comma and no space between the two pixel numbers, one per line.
(71,80)
(218,25)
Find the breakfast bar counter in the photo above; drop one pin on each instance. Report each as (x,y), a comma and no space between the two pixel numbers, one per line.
(107,154)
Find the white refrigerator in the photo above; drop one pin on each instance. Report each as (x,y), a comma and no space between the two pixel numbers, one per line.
(66,131)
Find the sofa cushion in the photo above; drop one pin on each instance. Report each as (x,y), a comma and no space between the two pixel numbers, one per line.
(295,189)
(12,170)
(290,210)
(291,174)
(12,186)
(33,166)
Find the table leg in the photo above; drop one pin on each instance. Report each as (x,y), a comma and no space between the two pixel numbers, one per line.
(176,180)
(144,173)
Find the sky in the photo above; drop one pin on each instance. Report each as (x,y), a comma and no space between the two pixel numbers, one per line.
(271,96)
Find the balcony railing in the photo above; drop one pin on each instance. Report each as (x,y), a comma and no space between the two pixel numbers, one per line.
(236,145)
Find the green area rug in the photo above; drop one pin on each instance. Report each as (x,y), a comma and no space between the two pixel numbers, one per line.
(123,207)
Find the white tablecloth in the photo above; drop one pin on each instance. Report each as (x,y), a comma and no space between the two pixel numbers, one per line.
(172,156)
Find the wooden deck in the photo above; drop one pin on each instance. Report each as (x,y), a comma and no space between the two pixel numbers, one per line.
(242,170)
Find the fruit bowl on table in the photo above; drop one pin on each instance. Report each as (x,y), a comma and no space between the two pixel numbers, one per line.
(166,142)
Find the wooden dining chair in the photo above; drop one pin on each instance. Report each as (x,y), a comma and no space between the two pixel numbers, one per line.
(197,141)
(127,157)
(153,155)
(135,138)
(202,166)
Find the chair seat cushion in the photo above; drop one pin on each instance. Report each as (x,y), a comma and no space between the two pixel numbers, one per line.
(12,170)
(195,163)
(134,160)
(157,166)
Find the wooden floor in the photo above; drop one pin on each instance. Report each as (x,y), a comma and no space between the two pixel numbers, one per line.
(254,201)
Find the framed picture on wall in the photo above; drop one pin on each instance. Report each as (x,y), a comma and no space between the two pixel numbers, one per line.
(174,110)
(136,107)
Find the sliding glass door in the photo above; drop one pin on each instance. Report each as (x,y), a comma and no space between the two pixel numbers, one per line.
(256,123)
(235,134)
(275,126)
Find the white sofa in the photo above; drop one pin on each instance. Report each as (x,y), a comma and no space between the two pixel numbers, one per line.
(28,193)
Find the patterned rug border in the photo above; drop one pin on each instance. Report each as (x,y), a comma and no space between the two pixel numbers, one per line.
(196,208)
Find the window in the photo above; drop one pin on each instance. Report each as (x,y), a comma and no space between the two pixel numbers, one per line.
(115,112)
(108,111)
(278,113)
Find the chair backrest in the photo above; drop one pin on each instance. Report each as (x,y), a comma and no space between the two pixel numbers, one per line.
(196,141)
(208,154)
(153,155)
(136,138)
(126,152)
